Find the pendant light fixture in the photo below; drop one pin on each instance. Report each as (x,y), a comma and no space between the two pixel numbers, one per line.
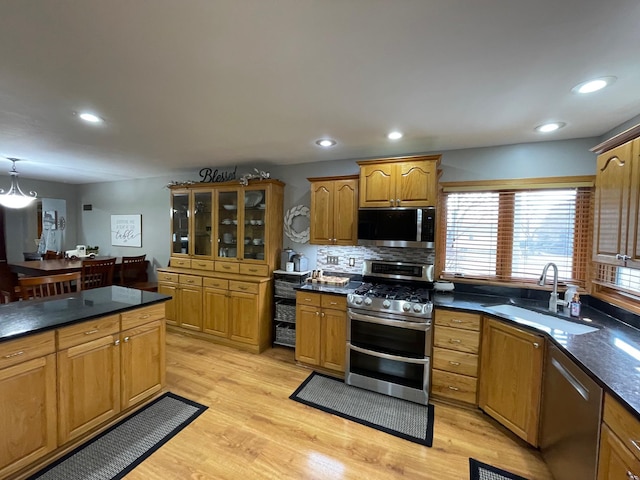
(15,198)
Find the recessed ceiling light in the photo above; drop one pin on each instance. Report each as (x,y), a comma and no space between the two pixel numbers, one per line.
(394,135)
(549,127)
(593,85)
(326,142)
(90,117)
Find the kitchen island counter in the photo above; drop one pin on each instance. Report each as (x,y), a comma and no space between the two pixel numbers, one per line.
(610,354)
(23,318)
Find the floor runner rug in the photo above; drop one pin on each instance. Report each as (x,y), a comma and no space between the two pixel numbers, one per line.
(483,471)
(408,420)
(118,450)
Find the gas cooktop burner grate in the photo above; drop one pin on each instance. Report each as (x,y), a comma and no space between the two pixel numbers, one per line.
(394,292)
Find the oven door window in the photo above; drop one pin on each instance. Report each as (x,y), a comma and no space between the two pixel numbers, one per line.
(398,341)
(401,373)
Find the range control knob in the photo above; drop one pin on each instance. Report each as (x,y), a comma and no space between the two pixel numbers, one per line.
(386,304)
(417,308)
(406,307)
(368,301)
(357,300)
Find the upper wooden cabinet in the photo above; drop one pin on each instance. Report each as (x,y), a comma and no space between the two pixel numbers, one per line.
(511,377)
(617,209)
(334,210)
(399,182)
(228,223)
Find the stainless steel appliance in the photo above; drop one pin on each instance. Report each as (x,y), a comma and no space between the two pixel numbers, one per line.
(570,424)
(397,227)
(389,330)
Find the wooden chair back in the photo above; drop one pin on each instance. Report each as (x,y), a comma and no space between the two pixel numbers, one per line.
(97,273)
(52,255)
(37,287)
(133,270)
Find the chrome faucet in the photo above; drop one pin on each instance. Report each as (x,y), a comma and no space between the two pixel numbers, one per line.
(553,299)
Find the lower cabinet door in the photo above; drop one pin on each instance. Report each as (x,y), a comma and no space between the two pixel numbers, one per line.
(616,462)
(28,419)
(142,351)
(170,305)
(190,305)
(244,317)
(308,327)
(88,386)
(334,337)
(215,318)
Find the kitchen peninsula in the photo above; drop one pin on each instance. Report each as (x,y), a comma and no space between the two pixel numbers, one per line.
(72,365)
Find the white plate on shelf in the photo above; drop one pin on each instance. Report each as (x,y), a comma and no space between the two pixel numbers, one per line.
(262,206)
(229,207)
(252,198)
(226,221)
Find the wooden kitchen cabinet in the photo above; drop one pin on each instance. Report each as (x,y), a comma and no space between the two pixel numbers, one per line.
(511,377)
(28,399)
(185,307)
(617,211)
(321,330)
(168,285)
(88,376)
(619,456)
(334,210)
(399,182)
(456,344)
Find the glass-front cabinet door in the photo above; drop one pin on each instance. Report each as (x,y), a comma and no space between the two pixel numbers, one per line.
(202,223)
(180,237)
(228,224)
(255,224)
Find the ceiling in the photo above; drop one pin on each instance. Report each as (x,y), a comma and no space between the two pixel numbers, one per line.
(185,84)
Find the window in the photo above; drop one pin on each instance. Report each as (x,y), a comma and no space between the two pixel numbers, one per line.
(508,235)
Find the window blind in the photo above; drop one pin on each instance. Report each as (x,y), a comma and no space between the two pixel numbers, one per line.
(510,235)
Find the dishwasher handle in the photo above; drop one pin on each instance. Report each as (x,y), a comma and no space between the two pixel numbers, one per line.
(575,383)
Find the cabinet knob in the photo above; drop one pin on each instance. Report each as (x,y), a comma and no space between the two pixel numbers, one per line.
(126,339)
(317,313)
(116,343)
(322,314)
(391,202)
(536,345)
(397,202)
(631,476)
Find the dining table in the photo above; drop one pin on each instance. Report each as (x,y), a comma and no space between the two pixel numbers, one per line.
(36,268)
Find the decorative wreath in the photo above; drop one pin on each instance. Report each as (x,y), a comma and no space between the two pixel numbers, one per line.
(297,211)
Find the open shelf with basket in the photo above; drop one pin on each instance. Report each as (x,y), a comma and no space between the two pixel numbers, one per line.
(284,318)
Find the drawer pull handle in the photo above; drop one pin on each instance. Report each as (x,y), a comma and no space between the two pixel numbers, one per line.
(635,444)
(15,354)
(454,363)
(190,281)
(333,303)
(146,315)
(631,476)
(226,267)
(455,340)
(253,269)
(91,332)
(451,387)
(307,299)
(243,288)
(455,320)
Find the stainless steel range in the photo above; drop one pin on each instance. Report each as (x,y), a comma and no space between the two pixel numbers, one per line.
(389,330)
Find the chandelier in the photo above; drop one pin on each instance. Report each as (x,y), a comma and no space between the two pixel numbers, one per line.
(15,198)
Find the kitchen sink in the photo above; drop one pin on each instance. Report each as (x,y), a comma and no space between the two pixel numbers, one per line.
(539,320)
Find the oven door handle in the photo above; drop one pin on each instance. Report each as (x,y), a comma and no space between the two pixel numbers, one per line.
(385,321)
(420,361)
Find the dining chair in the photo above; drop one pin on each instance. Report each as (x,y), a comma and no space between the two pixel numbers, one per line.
(97,273)
(133,274)
(9,288)
(47,286)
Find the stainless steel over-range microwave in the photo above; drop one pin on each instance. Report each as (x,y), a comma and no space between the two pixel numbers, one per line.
(397,227)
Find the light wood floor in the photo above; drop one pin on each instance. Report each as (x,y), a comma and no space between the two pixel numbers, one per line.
(253,431)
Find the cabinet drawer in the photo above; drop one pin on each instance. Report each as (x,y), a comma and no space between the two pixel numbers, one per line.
(26,348)
(306,298)
(464,320)
(623,424)
(191,280)
(227,267)
(455,362)
(333,301)
(456,339)
(141,316)
(259,270)
(202,264)
(452,385)
(168,277)
(87,331)
(180,262)
(243,287)
(215,283)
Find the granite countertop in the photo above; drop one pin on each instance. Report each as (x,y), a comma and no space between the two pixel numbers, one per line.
(332,289)
(22,318)
(611,354)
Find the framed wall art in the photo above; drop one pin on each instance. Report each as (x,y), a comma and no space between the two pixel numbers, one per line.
(126,230)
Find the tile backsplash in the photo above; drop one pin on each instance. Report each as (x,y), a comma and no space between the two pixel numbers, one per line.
(359,254)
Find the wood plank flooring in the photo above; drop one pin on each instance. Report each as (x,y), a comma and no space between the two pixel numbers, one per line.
(253,431)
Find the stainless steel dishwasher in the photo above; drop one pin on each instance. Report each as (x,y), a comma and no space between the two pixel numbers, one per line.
(570,421)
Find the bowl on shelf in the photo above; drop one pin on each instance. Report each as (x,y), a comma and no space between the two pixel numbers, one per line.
(247,240)
(226,221)
(252,198)
(257,241)
(259,222)
(262,206)
(234,221)
(229,207)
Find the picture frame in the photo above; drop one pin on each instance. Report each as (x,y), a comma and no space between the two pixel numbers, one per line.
(126,230)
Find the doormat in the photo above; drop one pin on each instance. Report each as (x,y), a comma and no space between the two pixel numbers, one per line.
(408,420)
(118,450)
(483,471)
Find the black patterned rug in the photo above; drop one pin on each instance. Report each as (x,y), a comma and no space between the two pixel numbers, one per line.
(401,418)
(483,471)
(118,450)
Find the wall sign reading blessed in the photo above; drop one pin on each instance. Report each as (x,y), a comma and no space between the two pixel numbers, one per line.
(126,230)
(210,176)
